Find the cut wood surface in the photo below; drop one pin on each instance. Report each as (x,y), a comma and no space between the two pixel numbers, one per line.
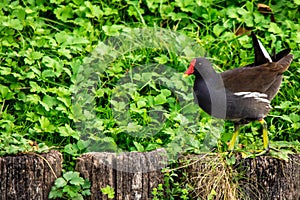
(29,176)
(132,175)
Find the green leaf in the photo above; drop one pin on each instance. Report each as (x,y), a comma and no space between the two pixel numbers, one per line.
(71,191)
(55,193)
(109,191)
(151,147)
(64,13)
(113,30)
(141,103)
(232,13)
(70,174)
(34,87)
(218,29)
(67,131)
(35,55)
(71,149)
(95,10)
(87,184)
(81,144)
(45,124)
(13,23)
(274,28)
(160,99)
(242,11)
(5,93)
(284,105)
(163,59)
(48,73)
(297,2)
(60,182)
(76,180)
(138,146)
(294,117)
(49,101)
(5,71)
(166,92)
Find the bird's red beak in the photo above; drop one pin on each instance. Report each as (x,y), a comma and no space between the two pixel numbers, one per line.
(190,70)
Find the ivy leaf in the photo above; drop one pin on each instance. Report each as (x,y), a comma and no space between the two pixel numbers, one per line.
(64,13)
(166,92)
(69,189)
(141,103)
(160,99)
(45,124)
(5,93)
(76,180)
(109,191)
(5,71)
(13,23)
(274,28)
(60,182)
(218,29)
(71,149)
(81,144)
(67,131)
(48,74)
(95,10)
(113,30)
(49,101)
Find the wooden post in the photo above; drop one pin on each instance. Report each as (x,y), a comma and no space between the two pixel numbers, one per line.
(260,178)
(132,175)
(29,176)
(266,177)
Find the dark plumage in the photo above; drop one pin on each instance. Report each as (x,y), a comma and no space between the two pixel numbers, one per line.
(242,94)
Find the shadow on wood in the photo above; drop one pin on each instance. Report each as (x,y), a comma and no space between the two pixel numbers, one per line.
(29,176)
(133,175)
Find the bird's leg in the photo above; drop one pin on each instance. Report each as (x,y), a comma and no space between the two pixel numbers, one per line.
(234,137)
(265,134)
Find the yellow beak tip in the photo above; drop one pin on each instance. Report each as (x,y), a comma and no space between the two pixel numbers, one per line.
(185,75)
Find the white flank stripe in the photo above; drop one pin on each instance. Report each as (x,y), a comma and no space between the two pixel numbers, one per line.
(241,93)
(256,95)
(261,97)
(263,100)
(251,94)
(266,54)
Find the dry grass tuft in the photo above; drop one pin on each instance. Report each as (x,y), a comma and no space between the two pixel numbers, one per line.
(212,178)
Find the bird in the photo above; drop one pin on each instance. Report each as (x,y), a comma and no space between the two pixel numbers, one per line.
(243,94)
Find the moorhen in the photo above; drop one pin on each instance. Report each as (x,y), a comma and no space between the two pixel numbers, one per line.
(243,94)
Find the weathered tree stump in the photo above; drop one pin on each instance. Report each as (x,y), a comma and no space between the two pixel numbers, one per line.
(132,175)
(270,178)
(29,176)
(262,178)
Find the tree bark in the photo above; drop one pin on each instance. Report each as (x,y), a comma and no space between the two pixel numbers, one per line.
(261,178)
(132,175)
(29,176)
(270,178)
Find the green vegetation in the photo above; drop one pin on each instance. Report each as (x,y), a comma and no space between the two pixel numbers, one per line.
(70,186)
(71,69)
(109,191)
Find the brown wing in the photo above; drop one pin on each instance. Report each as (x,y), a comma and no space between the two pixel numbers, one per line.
(258,78)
